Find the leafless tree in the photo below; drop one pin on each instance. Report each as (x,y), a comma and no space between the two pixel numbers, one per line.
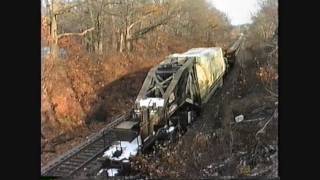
(118,24)
(56,8)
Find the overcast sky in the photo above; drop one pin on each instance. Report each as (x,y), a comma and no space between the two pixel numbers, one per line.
(239,11)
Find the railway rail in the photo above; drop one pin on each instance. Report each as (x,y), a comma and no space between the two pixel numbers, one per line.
(80,156)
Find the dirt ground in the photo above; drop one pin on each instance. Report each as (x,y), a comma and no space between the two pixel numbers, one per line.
(215,145)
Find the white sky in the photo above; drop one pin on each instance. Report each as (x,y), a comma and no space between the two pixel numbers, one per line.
(239,11)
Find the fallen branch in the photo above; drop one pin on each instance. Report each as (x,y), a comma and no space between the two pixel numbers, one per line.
(262,130)
(75,34)
(215,166)
(250,120)
(272,98)
(263,171)
(272,93)
(257,110)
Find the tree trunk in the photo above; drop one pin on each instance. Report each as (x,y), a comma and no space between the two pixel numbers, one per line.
(113,38)
(128,39)
(94,45)
(129,45)
(54,36)
(100,39)
(100,48)
(122,42)
(208,37)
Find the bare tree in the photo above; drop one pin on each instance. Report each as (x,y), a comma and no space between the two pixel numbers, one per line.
(119,24)
(137,19)
(265,21)
(55,8)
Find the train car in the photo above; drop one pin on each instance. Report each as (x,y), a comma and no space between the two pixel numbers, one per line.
(170,98)
(174,91)
(210,67)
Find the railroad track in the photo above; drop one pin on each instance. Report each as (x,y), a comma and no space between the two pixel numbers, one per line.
(79,157)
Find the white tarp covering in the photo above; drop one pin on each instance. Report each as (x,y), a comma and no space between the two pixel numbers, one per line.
(150,101)
(129,149)
(112,172)
(171,128)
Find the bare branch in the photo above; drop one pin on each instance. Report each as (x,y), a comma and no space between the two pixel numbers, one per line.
(145,30)
(65,9)
(112,14)
(249,120)
(131,26)
(147,14)
(262,130)
(272,93)
(75,34)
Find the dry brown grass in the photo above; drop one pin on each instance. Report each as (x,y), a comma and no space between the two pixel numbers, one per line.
(76,88)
